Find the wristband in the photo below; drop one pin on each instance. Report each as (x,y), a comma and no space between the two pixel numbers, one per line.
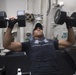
(11,23)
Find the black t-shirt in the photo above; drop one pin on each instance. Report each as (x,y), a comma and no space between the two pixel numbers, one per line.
(26,45)
(42,56)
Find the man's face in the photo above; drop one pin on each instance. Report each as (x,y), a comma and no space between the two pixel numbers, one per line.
(38,32)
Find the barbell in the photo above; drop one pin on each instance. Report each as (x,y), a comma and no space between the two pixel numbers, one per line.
(61,17)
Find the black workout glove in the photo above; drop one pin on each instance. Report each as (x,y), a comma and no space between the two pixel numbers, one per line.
(68,23)
(12,22)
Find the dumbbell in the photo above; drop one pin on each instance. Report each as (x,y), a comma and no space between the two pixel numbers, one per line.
(61,17)
(20,19)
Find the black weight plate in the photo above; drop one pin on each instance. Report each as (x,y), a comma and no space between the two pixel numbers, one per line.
(74,15)
(3,16)
(60,17)
(21,18)
(73,19)
(3,24)
(57,16)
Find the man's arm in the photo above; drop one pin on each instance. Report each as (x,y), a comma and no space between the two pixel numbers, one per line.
(8,44)
(7,40)
(70,39)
